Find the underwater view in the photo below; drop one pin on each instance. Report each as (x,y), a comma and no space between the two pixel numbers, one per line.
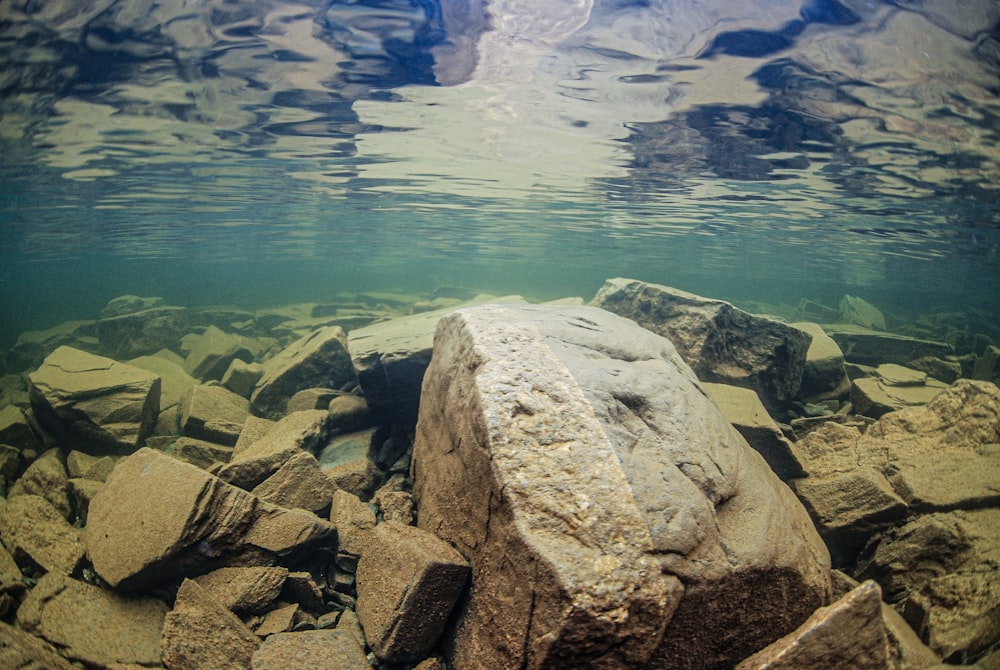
(494,334)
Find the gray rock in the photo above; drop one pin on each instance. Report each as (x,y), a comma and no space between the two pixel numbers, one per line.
(158,518)
(847,634)
(297,432)
(144,332)
(318,359)
(33,530)
(94,625)
(721,343)
(870,347)
(95,401)
(407,584)
(947,371)
(612,517)
(311,649)
(213,353)
(240,377)
(201,633)
(213,413)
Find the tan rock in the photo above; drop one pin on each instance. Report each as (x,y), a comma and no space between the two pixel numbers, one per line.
(175,383)
(354,520)
(106,405)
(298,483)
(213,352)
(93,625)
(349,414)
(408,583)
(823,376)
(254,428)
(240,377)
(158,518)
(15,430)
(20,650)
(46,477)
(313,398)
(286,438)
(280,620)
(201,453)
(345,460)
(200,633)
(245,590)
(304,590)
(81,492)
(80,465)
(213,413)
(847,634)
(395,506)
(311,649)
(33,529)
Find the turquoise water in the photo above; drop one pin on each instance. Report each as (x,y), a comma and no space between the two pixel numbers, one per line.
(271,152)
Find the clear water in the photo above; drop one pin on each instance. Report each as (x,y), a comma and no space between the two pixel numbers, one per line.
(254,153)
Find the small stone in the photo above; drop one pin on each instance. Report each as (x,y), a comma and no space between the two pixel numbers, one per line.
(175,383)
(81,465)
(354,520)
(349,413)
(289,436)
(987,365)
(311,649)
(298,483)
(303,589)
(395,506)
(129,304)
(214,413)
(246,590)
(241,377)
(201,633)
(345,460)
(201,453)
(873,397)
(313,398)
(280,620)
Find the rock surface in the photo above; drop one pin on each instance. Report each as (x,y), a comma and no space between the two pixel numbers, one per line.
(32,529)
(213,353)
(200,633)
(46,477)
(298,484)
(15,430)
(88,399)
(823,375)
(408,582)
(144,332)
(291,435)
(612,517)
(158,518)
(893,387)
(720,342)
(311,649)
(318,359)
(213,413)
(244,590)
(22,651)
(871,347)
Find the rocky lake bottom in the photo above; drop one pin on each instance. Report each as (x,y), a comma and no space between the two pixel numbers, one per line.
(648,478)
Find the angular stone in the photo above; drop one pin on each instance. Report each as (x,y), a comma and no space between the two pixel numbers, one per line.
(959,612)
(201,453)
(85,466)
(10,464)
(144,332)
(105,405)
(291,435)
(15,430)
(94,625)
(345,461)
(743,408)
(22,651)
(612,517)
(298,484)
(34,530)
(175,384)
(354,520)
(46,477)
(823,375)
(349,414)
(33,346)
(870,347)
(311,649)
(318,359)
(245,590)
(892,374)
(214,351)
(254,428)
(200,633)
(214,413)
(720,342)
(395,506)
(861,313)
(240,377)
(315,398)
(407,584)
(280,620)
(873,397)
(847,634)
(390,358)
(947,371)
(158,518)
(303,589)
(129,304)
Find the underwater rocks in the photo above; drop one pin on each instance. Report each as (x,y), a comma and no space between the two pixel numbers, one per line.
(720,342)
(534,421)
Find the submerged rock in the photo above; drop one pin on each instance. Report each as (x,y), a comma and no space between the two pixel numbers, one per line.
(871,347)
(95,401)
(612,517)
(144,332)
(201,633)
(311,649)
(34,531)
(720,342)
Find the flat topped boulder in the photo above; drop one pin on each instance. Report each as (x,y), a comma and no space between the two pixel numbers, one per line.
(94,401)
(720,342)
(611,515)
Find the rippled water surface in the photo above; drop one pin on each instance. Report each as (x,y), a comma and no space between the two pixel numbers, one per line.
(260,152)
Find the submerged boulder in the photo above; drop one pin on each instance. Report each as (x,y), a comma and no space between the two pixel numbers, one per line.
(95,402)
(720,342)
(611,515)
(143,332)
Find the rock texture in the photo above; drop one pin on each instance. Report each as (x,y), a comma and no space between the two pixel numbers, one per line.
(213,413)
(33,530)
(215,350)
(23,651)
(311,649)
(823,375)
(264,456)
(158,518)
(893,387)
(200,633)
(408,582)
(94,401)
(143,332)
(244,590)
(720,342)
(318,359)
(612,517)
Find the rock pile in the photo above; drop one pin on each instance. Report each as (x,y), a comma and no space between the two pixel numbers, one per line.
(657,480)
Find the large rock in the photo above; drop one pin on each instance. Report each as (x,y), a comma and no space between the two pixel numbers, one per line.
(298,484)
(294,433)
(893,387)
(245,590)
(318,359)
(94,625)
(15,431)
(46,477)
(175,383)
(201,633)
(408,582)
(95,402)
(871,347)
(213,413)
(612,517)
(33,346)
(158,518)
(143,332)
(720,342)
(21,650)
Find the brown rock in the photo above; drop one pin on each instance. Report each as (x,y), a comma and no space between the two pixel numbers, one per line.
(320,359)
(93,625)
(280,620)
(874,396)
(80,465)
(349,414)
(345,460)
(15,430)
(245,590)
(214,413)
(158,518)
(201,453)
(32,529)
(81,492)
(311,649)
(23,651)
(720,342)
(213,353)
(106,405)
(314,398)
(201,633)
(254,428)
(354,520)
(612,517)
(847,634)
(46,477)
(288,437)
(407,584)
(298,483)
(175,383)
(240,377)
(395,506)
(823,376)
(304,590)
